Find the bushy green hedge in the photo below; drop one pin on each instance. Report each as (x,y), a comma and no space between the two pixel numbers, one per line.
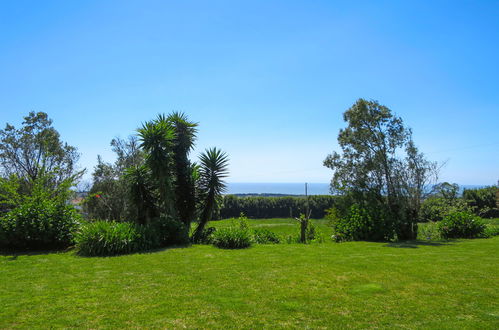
(360,225)
(259,207)
(484,201)
(38,223)
(461,225)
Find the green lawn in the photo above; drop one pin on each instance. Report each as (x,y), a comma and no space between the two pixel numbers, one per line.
(283,227)
(358,284)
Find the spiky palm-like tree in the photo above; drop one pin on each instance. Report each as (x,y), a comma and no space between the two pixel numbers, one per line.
(158,139)
(141,193)
(185,194)
(213,168)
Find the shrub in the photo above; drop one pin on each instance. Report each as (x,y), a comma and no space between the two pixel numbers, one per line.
(436,208)
(169,231)
(265,236)
(233,237)
(39,223)
(461,225)
(491,231)
(429,231)
(206,236)
(360,225)
(108,238)
(484,202)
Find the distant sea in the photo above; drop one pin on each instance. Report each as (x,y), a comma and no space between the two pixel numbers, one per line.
(290,188)
(278,188)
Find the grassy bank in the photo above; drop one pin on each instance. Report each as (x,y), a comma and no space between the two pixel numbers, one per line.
(359,284)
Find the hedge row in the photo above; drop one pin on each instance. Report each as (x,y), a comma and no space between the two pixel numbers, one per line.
(259,207)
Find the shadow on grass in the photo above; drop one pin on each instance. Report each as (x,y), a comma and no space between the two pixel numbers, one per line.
(137,252)
(417,243)
(13,254)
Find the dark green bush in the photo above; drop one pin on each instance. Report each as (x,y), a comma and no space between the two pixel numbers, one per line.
(169,231)
(484,202)
(38,223)
(359,225)
(108,238)
(232,237)
(265,236)
(260,207)
(461,225)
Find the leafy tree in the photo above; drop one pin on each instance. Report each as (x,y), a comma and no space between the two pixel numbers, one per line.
(373,172)
(109,194)
(212,171)
(35,150)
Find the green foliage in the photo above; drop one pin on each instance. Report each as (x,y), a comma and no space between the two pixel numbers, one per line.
(484,202)
(429,231)
(491,231)
(436,208)
(185,190)
(206,236)
(38,224)
(360,225)
(112,196)
(34,150)
(380,168)
(259,207)
(108,238)
(461,225)
(213,169)
(236,236)
(170,231)
(41,219)
(265,236)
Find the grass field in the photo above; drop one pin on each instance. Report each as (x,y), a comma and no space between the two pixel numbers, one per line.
(359,284)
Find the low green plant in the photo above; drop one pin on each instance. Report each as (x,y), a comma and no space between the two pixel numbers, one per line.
(491,231)
(429,231)
(236,236)
(108,238)
(265,236)
(461,225)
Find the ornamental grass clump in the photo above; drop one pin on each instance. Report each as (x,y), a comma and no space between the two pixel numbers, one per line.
(108,238)
(237,236)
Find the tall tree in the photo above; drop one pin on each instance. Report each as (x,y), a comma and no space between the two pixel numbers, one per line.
(213,169)
(158,139)
(185,194)
(36,150)
(372,169)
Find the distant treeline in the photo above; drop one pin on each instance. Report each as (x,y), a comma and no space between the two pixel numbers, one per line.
(259,207)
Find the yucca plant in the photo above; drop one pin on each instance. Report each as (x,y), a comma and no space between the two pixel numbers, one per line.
(157,139)
(213,169)
(183,143)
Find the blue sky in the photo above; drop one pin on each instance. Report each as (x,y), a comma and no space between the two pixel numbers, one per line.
(268,81)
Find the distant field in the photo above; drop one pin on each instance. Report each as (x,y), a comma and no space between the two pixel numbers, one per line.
(440,285)
(283,227)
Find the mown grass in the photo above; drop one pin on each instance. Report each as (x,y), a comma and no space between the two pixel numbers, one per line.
(283,227)
(359,284)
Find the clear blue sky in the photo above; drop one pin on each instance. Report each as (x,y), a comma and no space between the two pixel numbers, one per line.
(267,80)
